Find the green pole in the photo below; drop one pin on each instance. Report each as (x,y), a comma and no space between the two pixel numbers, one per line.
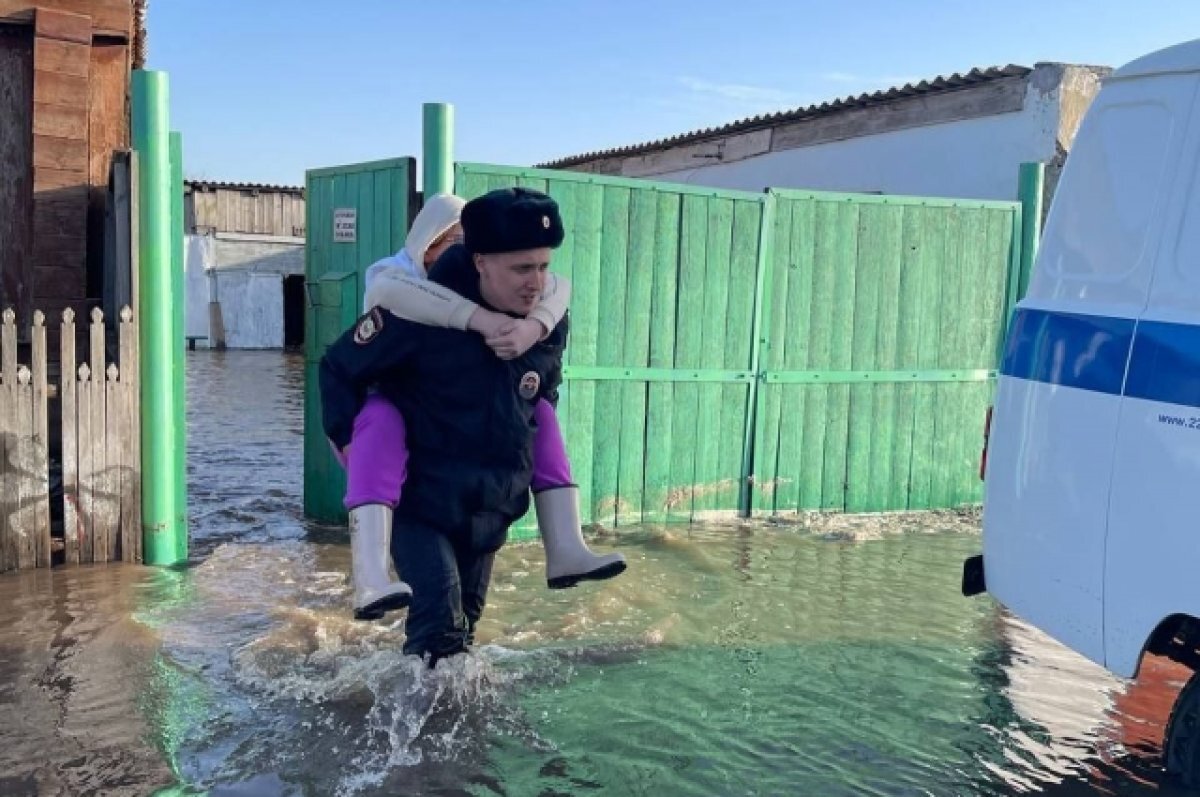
(160,408)
(1031,184)
(437,157)
(179,360)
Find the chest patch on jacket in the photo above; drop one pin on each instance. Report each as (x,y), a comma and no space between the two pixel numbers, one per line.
(529,385)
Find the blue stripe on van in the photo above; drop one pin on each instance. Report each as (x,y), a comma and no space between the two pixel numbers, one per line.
(1165,365)
(1082,351)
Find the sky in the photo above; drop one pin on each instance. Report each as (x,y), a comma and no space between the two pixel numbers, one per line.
(264,89)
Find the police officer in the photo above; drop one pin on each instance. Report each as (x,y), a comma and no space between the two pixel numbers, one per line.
(469,414)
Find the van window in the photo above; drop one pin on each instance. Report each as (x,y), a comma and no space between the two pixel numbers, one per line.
(1187,249)
(1116,170)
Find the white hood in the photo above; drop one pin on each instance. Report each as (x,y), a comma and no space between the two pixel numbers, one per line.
(441,211)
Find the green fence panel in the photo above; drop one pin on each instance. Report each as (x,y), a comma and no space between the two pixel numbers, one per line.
(381,196)
(884,325)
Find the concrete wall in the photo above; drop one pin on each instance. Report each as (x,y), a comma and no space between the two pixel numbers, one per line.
(246,273)
(966,143)
(976,159)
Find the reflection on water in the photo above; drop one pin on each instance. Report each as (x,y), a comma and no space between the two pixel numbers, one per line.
(831,657)
(245,416)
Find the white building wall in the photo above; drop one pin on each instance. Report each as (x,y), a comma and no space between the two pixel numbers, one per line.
(974,158)
(245,274)
(198,259)
(252,306)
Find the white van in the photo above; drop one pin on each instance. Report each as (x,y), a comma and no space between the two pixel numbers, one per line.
(1091,521)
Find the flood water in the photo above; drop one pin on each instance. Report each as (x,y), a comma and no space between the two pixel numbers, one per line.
(829,656)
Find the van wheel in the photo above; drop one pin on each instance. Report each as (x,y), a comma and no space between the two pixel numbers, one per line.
(1181,750)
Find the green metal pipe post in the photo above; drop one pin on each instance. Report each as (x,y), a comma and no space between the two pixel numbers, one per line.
(1031,185)
(179,360)
(437,155)
(161,410)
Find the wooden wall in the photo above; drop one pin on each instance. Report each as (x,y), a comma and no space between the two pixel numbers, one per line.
(16,175)
(259,210)
(64,110)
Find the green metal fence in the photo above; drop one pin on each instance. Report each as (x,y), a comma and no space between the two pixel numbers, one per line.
(733,351)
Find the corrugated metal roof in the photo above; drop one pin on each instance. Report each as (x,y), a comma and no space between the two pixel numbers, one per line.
(937,85)
(215,185)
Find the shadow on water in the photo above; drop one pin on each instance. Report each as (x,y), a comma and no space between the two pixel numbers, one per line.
(831,656)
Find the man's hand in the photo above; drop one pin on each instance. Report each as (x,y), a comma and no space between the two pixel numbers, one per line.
(516,338)
(488,323)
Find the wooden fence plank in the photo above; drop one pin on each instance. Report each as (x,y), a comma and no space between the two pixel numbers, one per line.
(972,303)
(886,434)
(908,319)
(662,353)
(8,442)
(768,467)
(710,481)
(8,347)
(26,480)
(950,348)
(817,398)
(864,347)
(933,241)
(101,495)
(112,462)
(801,461)
(643,213)
(688,330)
(68,390)
(41,441)
(83,403)
(610,347)
(739,336)
(845,284)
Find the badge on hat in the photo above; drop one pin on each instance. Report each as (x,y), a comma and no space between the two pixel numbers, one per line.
(529,385)
(546,222)
(369,326)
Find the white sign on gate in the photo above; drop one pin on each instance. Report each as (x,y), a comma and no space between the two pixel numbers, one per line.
(345,225)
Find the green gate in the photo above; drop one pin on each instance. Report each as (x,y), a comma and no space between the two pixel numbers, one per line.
(355,215)
(882,321)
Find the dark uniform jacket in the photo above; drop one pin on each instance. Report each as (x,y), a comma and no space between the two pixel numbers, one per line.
(468,414)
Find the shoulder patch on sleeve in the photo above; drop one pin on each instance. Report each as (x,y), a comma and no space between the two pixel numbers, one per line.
(368,327)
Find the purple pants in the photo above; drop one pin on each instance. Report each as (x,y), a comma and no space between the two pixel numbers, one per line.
(378,461)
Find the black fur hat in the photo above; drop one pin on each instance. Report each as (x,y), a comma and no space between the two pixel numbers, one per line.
(509,220)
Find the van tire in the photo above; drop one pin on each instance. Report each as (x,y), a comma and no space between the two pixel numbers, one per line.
(1181,748)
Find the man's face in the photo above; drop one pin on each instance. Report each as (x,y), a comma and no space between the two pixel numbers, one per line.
(512,282)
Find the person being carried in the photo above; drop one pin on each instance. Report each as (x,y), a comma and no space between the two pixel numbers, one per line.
(376,460)
(470,417)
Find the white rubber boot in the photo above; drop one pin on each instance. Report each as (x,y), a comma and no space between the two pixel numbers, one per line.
(375,593)
(568,559)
